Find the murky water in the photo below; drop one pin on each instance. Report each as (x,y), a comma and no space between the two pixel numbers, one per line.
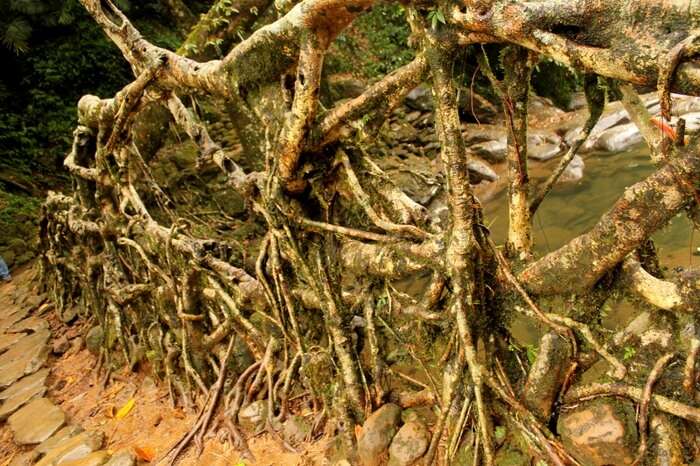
(573,209)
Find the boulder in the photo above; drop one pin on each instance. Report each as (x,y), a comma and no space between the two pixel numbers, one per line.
(493,151)
(409,444)
(480,171)
(600,432)
(619,138)
(377,433)
(36,421)
(94,339)
(544,151)
(574,171)
(420,98)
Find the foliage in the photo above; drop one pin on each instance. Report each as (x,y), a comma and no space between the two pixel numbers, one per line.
(374,45)
(555,81)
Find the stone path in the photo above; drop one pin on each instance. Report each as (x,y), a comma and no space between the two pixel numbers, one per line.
(41,430)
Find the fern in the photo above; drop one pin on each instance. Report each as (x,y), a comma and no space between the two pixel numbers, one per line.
(15,35)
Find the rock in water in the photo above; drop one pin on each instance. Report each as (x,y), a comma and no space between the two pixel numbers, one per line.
(600,432)
(480,171)
(619,138)
(574,171)
(36,422)
(377,432)
(409,444)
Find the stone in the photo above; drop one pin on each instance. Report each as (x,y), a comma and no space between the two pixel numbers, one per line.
(94,339)
(544,151)
(492,151)
(36,421)
(73,448)
(619,138)
(574,171)
(420,98)
(600,432)
(24,357)
(409,444)
(57,438)
(508,457)
(377,432)
(96,458)
(480,171)
(69,314)
(122,458)
(296,430)
(23,391)
(11,318)
(253,415)
(32,323)
(9,339)
(547,375)
(60,345)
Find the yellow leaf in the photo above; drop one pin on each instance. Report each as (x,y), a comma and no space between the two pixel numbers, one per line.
(124,410)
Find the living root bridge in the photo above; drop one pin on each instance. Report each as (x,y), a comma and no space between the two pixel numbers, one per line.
(300,303)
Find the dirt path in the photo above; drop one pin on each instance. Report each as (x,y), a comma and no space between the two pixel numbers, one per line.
(134,412)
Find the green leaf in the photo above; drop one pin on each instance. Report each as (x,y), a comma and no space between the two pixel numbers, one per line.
(500,433)
(629,353)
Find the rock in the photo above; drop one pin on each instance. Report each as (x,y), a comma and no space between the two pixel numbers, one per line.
(13,317)
(547,375)
(9,339)
(36,422)
(73,448)
(544,151)
(122,458)
(413,116)
(619,138)
(24,357)
(32,323)
(574,171)
(251,416)
(480,171)
(296,430)
(69,314)
(377,432)
(61,345)
(23,391)
(97,458)
(409,444)
(492,151)
(56,439)
(94,339)
(600,432)
(345,86)
(474,107)
(420,98)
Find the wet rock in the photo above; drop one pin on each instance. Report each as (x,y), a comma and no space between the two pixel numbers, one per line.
(33,324)
(377,433)
(480,171)
(544,151)
(409,444)
(24,357)
(61,436)
(420,98)
(97,458)
(74,448)
(23,391)
(619,138)
(122,458)
(492,151)
(574,171)
(296,430)
(36,421)
(251,416)
(94,339)
(600,432)
(60,345)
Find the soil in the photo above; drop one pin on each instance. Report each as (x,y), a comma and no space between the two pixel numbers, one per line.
(152,425)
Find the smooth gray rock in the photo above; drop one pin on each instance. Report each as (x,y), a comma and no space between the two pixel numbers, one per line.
(36,421)
(492,151)
(377,432)
(574,171)
(23,391)
(420,98)
(544,151)
(619,138)
(480,171)
(409,444)
(24,357)
(73,448)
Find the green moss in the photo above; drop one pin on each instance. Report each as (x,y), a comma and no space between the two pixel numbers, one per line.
(555,81)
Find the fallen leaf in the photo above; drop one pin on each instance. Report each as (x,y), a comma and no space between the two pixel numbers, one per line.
(358,431)
(124,410)
(145,453)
